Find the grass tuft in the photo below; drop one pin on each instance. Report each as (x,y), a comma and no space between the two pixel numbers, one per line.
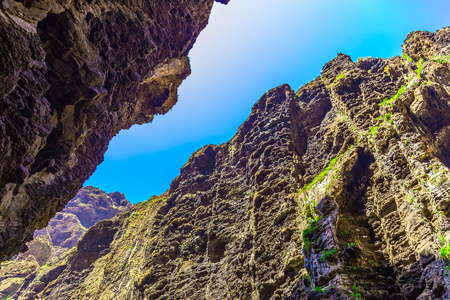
(420,65)
(324,173)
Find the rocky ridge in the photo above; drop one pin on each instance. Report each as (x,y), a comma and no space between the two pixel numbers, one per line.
(337,191)
(50,244)
(72,75)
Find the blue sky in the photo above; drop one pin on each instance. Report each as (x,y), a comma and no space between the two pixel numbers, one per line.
(249,47)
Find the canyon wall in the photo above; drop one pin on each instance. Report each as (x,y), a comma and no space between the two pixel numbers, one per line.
(73,73)
(337,191)
(62,233)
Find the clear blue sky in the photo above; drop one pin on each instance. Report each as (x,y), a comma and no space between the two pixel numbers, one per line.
(249,47)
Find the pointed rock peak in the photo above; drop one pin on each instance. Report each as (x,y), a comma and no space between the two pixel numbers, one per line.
(335,67)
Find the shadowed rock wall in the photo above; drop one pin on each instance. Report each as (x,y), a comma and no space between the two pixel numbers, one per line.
(73,74)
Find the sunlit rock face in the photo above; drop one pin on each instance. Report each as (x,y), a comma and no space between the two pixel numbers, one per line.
(337,191)
(72,75)
(21,276)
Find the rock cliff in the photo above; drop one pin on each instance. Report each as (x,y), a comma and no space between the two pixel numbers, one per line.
(50,244)
(337,191)
(73,73)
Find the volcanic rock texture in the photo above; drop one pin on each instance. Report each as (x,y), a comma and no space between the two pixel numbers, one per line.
(89,206)
(73,73)
(52,243)
(337,191)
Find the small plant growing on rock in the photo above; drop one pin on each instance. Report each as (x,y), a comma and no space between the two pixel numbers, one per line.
(373,130)
(324,173)
(387,117)
(420,65)
(445,252)
(355,292)
(340,76)
(407,57)
(441,59)
(387,101)
(327,254)
(319,289)
(447,270)
(307,234)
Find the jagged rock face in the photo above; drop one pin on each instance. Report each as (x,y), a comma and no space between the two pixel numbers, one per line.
(88,207)
(337,191)
(51,244)
(92,205)
(16,274)
(72,75)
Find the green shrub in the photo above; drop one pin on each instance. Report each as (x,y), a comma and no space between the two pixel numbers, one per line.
(307,234)
(407,57)
(387,101)
(327,254)
(319,289)
(373,130)
(309,229)
(387,117)
(355,292)
(445,251)
(340,76)
(420,65)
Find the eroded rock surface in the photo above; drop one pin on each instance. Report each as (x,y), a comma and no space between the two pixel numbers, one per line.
(337,191)
(72,75)
(88,207)
(52,243)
